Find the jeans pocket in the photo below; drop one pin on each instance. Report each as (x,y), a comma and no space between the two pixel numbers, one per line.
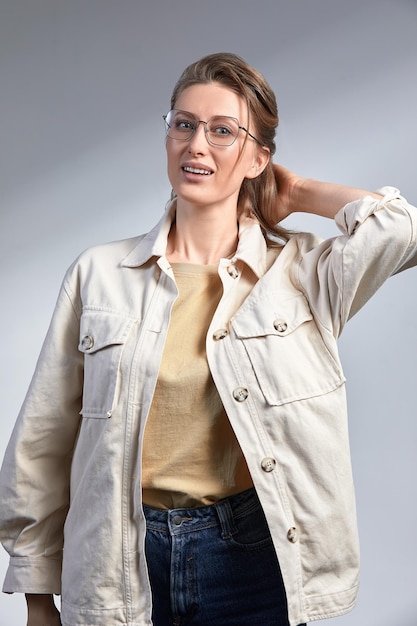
(251,531)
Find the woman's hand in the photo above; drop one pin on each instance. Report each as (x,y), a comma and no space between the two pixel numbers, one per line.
(288,184)
(42,610)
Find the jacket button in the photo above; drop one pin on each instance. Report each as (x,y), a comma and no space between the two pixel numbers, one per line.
(280,326)
(87,342)
(268,464)
(292,535)
(240,394)
(220,334)
(232,271)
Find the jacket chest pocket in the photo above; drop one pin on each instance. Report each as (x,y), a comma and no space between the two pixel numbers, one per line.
(286,350)
(102,338)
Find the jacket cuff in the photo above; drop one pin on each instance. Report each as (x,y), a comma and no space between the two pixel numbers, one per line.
(33,575)
(353,214)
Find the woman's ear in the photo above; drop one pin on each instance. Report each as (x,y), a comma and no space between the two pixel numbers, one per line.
(260,161)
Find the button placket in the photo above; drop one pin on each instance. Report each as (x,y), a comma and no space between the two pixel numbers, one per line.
(240,394)
(221,333)
(268,464)
(292,535)
(232,271)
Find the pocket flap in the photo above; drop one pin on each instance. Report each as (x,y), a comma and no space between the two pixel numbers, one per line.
(271,318)
(100,328)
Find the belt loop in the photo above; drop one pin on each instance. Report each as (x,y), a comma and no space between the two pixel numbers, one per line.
(225,514)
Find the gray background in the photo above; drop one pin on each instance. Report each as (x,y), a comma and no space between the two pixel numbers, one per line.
(84,84)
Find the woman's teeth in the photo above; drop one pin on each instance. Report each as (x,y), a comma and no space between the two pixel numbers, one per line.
(195,170)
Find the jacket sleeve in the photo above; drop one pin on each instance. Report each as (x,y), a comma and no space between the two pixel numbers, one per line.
(34,479)
(339,275)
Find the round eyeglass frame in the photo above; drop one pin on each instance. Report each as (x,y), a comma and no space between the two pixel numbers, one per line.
(206,131)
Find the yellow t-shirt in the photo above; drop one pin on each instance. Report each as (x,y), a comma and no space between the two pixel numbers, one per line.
(191,456)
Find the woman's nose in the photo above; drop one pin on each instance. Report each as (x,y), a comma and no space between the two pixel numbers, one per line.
(198,141)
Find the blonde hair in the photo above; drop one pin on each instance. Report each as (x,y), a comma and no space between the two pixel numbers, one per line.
(257,195)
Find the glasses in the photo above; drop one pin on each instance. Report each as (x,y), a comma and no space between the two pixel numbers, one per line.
(221,130)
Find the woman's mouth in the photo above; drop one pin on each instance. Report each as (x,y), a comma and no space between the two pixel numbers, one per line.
(197,170)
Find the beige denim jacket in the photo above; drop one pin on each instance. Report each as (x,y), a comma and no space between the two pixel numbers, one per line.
(70,485)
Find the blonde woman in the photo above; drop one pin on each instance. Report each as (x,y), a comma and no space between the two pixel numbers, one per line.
(182,454)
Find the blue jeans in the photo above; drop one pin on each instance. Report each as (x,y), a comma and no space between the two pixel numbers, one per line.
(214,566)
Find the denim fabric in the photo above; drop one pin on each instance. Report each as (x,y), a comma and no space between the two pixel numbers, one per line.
(214,566)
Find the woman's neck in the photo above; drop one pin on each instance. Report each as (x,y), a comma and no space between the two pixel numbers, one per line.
(202,237)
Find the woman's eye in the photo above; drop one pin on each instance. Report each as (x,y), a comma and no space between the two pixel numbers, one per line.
(184,125)
(221,130)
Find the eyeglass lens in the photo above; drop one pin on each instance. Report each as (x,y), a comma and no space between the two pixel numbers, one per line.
(221,130)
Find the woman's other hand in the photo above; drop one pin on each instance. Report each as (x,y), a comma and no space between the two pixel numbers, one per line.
(42,610)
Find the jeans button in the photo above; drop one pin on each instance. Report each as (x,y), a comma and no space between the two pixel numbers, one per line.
(177,520)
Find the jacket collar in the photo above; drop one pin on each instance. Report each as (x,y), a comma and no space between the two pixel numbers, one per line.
(252,248)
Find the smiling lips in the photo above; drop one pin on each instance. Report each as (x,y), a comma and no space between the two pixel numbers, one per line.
(196,170)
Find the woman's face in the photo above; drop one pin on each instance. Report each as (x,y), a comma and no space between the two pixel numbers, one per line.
(224,167)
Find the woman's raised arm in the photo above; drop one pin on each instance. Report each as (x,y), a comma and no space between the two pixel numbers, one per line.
(306,195)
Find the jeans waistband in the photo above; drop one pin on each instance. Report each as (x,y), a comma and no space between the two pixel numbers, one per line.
(186,520)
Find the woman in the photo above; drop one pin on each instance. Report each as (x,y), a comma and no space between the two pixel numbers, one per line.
(218,331)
